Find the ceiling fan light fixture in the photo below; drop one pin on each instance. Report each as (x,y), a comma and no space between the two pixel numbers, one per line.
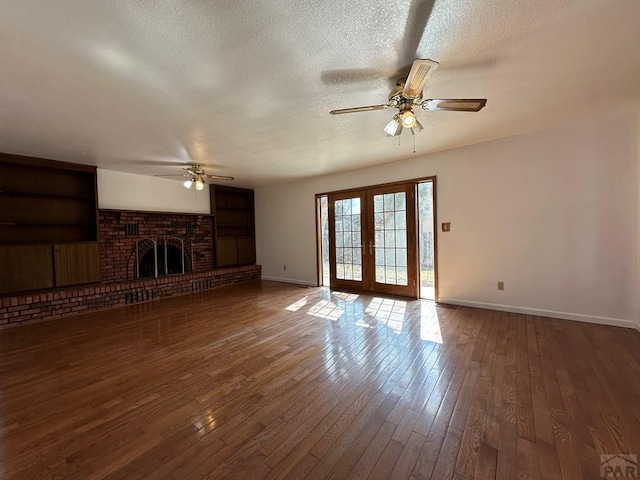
(394,127)
(417,127)
(188,183)
(408,118)
(199,183)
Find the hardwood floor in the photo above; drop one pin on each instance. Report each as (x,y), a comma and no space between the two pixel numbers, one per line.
(267,380)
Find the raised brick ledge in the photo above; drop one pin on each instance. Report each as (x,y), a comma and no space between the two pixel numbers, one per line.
(37,307)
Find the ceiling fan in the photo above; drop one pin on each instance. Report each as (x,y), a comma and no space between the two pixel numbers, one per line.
(196,176)
(408,94)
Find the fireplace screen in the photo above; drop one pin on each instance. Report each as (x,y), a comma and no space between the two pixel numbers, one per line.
(159,258)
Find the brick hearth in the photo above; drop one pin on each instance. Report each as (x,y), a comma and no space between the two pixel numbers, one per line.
(37,307)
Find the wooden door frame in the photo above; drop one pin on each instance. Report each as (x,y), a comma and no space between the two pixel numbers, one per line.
(415,182)
(319,267)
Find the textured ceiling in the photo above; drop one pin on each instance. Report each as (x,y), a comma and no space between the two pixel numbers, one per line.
(247,86)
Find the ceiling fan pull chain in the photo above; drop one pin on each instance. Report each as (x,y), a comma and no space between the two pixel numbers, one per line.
(414,140)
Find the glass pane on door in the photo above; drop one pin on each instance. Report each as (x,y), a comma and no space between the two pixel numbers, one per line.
(426,238)
(348,239)
(390,225)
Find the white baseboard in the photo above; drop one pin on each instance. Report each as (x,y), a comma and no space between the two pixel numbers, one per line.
(290,280)
(615,322)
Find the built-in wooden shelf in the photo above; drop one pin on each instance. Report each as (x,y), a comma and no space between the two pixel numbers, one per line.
(48,223)
(234,219)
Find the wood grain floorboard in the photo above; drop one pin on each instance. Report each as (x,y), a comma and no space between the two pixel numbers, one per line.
(273,381)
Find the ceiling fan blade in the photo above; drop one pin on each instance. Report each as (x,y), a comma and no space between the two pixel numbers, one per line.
(455,104)
(418,77)
(359,109)
(176,175)
(219,177)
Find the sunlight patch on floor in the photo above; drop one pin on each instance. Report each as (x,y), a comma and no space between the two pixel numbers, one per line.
(388,312)
(294,307)
(326,309)
(429,324)
(347,297)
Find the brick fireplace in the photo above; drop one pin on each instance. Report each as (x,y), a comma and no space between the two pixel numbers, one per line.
(123,233)
(127,240)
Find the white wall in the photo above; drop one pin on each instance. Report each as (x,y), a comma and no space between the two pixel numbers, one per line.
(127,191)
(553,214)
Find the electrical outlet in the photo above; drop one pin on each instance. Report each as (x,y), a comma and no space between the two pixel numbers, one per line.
(500,285)
(446,226)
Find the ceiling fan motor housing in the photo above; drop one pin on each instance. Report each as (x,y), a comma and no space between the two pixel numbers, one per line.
(195,169)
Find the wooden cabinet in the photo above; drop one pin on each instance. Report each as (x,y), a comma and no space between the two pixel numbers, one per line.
(28,267)
(226,251)
(246,250)
(76,263)
(37,267)
(48,224)
(234,219)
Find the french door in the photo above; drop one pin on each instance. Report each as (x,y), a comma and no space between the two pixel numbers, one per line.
(372,238)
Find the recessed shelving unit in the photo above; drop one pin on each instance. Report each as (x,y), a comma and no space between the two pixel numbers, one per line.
(234,219)
(45,207)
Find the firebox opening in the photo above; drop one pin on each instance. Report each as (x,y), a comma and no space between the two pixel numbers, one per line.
(172,266)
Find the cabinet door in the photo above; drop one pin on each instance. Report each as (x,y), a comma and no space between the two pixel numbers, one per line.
(76,263)
(246,250)
(28,267)
(227,252)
